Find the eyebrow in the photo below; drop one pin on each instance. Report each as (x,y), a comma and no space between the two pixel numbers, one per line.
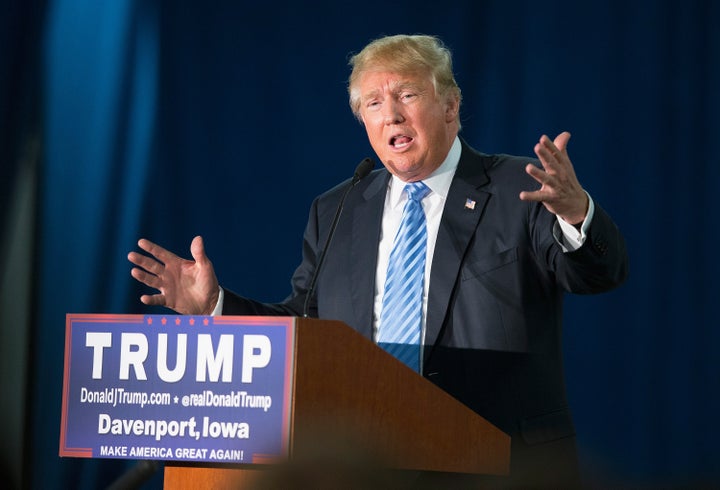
(396,88)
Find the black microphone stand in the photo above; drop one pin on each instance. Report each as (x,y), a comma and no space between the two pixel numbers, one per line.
(362,170)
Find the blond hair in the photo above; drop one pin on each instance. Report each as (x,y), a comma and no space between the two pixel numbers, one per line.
(404,54)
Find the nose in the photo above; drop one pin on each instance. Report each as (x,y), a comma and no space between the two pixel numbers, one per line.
(392,113)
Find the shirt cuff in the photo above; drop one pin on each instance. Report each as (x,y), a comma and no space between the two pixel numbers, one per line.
(219,306)
(569,236)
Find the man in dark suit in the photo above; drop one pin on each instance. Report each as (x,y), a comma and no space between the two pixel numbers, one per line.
(499,257)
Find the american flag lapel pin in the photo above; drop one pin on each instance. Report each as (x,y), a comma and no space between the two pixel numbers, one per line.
(469,204)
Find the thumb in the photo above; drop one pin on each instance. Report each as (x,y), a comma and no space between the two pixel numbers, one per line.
(197,249)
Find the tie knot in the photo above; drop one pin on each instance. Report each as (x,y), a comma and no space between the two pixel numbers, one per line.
(416,191)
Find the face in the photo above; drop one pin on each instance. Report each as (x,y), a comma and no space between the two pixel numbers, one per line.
(409,126)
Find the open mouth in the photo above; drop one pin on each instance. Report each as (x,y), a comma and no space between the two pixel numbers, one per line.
(400,141)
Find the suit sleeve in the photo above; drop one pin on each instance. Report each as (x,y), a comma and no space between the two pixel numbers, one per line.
(600,264)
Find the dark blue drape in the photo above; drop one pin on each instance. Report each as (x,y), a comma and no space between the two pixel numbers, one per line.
(100,91)
(171,119)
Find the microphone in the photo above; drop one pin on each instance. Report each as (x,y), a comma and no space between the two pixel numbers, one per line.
(361,171)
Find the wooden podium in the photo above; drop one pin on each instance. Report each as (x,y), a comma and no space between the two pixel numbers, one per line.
(351,397)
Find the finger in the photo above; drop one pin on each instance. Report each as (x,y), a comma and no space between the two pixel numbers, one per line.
(537,196)
(557,148)
(548,148)
(145,278)
(548,144)
(153,300)
(145,262)
(552,159)
(540,175)
(547,157)
(557,145)
(562,140)
(160,253)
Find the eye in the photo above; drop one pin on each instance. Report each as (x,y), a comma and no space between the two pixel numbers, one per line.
(407,96)
(372,104)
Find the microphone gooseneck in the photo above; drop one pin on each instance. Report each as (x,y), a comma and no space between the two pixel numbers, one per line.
(361,171)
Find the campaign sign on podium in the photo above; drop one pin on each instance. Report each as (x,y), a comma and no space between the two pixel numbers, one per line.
(181,388)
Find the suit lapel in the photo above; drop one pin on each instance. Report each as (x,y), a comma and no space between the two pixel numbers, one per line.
(366,227)
(464,206)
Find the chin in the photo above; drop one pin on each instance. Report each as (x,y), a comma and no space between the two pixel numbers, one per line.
(402,165)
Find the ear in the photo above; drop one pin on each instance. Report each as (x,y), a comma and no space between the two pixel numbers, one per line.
(452,107)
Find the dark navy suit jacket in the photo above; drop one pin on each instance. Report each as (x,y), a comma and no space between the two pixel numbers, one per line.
(494,313)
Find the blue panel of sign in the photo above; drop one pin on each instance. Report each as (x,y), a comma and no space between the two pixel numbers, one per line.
(183,388)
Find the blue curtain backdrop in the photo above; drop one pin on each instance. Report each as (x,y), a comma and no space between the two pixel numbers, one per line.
(170,119)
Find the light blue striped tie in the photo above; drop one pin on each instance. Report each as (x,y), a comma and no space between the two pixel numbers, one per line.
(401,317)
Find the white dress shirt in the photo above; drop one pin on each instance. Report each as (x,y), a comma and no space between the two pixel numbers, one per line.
(433,205)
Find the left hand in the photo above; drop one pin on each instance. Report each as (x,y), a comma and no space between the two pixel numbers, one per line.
(560,192)
(189,287)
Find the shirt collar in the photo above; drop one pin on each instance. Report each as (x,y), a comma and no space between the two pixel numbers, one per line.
(438,182)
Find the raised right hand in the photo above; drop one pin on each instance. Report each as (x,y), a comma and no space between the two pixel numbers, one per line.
(188,287)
